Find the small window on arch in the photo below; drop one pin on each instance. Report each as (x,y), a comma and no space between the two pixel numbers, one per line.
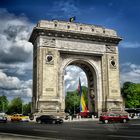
(55,25)
(92,29)
(68,27)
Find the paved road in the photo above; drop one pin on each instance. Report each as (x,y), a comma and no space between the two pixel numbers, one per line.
(71,131)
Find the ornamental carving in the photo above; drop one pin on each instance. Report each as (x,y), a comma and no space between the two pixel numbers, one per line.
(48,42)
(110,49)
(78,46)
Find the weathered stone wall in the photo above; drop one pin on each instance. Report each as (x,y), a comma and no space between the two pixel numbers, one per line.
(58,44)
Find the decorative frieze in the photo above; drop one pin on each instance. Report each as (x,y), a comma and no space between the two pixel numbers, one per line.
(47,42)
(70,45)
(110,49)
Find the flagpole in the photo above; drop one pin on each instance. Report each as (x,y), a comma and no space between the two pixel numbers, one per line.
(74,108)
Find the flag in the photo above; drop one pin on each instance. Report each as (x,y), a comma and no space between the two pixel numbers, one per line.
(83,107)
(72,19)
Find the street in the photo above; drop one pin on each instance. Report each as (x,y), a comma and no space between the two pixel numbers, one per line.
(71,131)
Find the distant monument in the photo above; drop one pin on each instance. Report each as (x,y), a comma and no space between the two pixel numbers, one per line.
(58,44)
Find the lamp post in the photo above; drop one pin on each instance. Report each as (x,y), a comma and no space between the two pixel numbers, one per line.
(21,108)
(3,109)
(74,107)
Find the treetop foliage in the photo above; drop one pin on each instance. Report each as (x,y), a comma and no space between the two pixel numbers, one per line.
(15,106)
(131,94)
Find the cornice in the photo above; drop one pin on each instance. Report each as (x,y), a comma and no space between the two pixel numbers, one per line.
(37,31)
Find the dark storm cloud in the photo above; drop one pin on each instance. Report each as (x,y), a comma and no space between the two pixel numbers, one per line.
(130,72)
(12,31)
(15,55)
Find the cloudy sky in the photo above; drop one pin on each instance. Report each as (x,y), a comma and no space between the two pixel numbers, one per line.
(18,17)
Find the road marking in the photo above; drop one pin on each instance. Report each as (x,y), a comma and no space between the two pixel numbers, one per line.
(84,129)
(119,136)
(28,136)
(134,124)
(45,130)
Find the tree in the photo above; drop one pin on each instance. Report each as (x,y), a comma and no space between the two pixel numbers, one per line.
(15,106)
(72,101)
(131,94)
(27,108)
(3,103)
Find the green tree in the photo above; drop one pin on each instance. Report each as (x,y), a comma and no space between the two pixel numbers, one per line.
(3,103)
(27,108)
(15,106)
(72,101)
(131,94)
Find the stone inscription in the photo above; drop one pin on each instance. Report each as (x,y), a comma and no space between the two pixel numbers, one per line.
(49,89)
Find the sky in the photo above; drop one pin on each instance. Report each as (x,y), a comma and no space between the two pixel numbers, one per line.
(18,17)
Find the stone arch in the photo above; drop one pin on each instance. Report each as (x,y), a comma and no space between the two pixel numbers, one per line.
(94,48)
(91,69)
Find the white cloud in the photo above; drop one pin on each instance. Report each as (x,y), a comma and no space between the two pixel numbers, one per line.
(72,75)
(13,86)
(8,82)
(130,44)
(130,72)
(15,55)
(14,34)
(15,50)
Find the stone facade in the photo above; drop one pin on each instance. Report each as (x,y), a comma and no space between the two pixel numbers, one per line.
(58,44)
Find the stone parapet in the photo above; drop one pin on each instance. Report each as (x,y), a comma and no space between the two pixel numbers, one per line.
(75,31)
(76,27)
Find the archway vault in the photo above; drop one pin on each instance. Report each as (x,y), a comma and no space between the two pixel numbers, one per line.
(91,80)
(91,65)
(58,44)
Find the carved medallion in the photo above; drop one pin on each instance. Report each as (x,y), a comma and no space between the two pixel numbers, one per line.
(49,59)
(113,64)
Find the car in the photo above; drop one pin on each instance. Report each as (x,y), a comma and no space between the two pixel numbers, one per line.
(19,118)
(49,119)
(107,117)
(3,117)
(86,114)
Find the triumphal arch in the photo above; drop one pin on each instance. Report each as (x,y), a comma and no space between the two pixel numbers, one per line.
(58,44)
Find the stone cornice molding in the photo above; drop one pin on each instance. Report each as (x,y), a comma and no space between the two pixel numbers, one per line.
(73,35)
(74,31)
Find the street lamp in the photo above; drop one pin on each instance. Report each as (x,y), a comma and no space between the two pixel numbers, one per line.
(21,108)
(3,109)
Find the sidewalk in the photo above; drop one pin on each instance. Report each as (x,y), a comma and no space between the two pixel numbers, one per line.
(81,119)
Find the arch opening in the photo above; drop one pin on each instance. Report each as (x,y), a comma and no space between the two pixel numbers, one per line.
(83,70)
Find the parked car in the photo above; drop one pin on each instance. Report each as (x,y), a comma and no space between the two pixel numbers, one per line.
(114,117)
(19,117)
(87,114)
(49,119)
(3,117)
